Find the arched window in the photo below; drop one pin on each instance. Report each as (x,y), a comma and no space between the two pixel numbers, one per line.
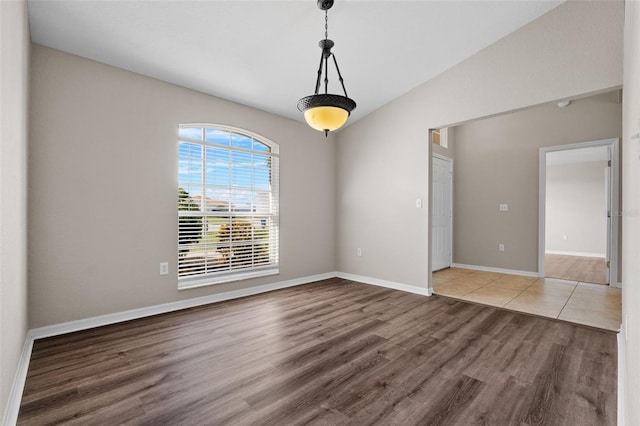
(227,205)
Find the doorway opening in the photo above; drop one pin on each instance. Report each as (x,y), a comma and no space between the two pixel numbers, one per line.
(578,220)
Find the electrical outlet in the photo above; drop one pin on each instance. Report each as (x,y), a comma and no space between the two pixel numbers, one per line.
(500,247)
(565,237)
(504,207)
(164,268)
(359,251)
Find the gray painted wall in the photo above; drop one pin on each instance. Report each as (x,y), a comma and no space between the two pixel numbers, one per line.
(497,162)
(103,182)
(382,166)
(383,159)
(75,100)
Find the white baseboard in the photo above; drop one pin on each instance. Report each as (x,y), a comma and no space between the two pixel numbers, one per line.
(15,396)
(12,408)
(498,270)
(382,283)
(622,378)
(99,321)
(576,253)
(102,320)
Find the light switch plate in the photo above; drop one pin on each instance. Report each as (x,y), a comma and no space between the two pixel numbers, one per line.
(164,268)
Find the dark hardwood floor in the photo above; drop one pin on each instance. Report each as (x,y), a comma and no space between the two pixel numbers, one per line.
(333,352)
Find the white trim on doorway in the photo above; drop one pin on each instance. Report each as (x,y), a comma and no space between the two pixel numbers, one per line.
(613,144)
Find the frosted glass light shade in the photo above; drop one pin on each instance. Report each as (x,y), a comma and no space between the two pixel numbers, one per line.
(326,112)
(326,117)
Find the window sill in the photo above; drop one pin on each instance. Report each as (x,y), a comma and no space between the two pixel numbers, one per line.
(189,283)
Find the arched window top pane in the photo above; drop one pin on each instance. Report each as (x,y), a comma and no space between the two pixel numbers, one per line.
(217,136)
(259,146)
(226,136)
(241,141)
(190,133)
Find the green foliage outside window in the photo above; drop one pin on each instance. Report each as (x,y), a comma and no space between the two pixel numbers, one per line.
(239,245)
(190,226)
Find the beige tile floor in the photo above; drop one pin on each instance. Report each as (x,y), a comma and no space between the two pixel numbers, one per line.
(594,305)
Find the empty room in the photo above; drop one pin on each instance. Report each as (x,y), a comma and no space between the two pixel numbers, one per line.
(319,212)
(532,185)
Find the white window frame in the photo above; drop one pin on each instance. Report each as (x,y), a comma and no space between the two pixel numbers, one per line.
(272,268)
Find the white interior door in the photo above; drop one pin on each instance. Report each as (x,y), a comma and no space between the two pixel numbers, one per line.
(441,232)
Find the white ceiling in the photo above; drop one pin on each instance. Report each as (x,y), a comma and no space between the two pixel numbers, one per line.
(264,53)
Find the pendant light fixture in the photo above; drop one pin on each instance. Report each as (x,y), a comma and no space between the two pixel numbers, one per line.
(325,111)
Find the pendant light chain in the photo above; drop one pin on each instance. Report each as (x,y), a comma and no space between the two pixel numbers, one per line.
(326,24)
(326,57)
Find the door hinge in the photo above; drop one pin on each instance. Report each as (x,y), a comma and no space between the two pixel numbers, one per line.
(608,163)
(608,264)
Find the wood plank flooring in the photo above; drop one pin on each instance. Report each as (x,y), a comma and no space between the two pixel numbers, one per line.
(576,268)
(333,352)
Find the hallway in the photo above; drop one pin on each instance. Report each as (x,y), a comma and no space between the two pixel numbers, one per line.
(593,305)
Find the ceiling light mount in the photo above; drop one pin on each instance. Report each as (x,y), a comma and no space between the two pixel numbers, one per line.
(325,111)
(325,4)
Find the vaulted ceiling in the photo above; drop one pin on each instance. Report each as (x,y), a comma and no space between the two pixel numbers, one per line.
(264,53)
